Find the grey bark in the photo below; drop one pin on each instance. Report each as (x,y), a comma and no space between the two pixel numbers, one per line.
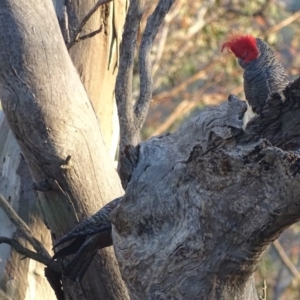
(204,203)
(132,114)
(28,282)
(201,204)
(50,115)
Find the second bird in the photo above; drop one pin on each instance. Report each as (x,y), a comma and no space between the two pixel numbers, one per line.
(263,73)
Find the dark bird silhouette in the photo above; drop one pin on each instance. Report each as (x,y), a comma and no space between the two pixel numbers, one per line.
(88,236)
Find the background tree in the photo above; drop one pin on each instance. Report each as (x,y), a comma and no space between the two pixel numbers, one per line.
(196,78)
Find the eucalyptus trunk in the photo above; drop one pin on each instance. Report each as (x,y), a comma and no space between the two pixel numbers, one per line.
(34,52)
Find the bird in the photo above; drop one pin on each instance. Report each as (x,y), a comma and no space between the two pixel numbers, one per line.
(88,236)
(263,73)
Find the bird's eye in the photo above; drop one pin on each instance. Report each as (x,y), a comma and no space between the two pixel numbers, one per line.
(245,54)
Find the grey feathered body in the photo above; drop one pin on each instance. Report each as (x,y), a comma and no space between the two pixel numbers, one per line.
(262,77)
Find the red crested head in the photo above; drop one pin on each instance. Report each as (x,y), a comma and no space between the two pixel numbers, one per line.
(244,47)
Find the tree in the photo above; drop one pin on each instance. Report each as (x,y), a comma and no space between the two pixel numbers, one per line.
(101,67)
(200,206)
(212,197)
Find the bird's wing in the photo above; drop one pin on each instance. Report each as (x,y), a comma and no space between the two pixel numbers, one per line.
(276,78)
(77,267)
(96,223)
(72,248)
(255,91)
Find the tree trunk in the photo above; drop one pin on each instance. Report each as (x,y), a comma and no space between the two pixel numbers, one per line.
(203,204)
(96,58)
(51,117)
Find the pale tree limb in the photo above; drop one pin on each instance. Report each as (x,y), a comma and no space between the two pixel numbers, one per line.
(286,260)
(160,40)
(160,46)
(61,208)
(82,24)
(109,269)
(183,85)
(180,110)
(289,20)
(200,21)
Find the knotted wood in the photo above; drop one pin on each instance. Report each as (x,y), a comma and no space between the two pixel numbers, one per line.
(202,204)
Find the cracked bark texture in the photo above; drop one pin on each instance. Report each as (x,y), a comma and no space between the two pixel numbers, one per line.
(37,76)
(203,204)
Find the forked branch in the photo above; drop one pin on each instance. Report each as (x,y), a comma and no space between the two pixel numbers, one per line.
(41,255)
(82,24)
(132,113)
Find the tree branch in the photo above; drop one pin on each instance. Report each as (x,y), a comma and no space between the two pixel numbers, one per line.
(42,254)
(183,85)
(80,27)
(160,40)
(283,23)
(89,35)
(30,254)
(285,259)
(264,290)
(132,118)
(145,65)
(23,228)
(71,130)
(128,131)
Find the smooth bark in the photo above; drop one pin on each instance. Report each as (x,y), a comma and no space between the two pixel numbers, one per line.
(50,115)
(96,58)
